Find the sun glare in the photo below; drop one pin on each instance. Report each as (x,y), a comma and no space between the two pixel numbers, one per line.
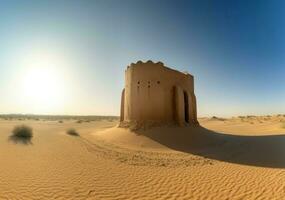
(42,85)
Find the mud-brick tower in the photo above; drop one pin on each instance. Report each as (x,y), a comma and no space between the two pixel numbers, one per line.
(156,93)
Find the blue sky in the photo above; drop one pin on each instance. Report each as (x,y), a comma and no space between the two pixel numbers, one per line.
(234,49)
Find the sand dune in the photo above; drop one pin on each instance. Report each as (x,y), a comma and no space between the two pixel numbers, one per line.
(223,159)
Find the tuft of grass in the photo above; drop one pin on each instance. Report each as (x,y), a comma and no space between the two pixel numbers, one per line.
(72,132)
(22,131)
(283,125)
(60,121)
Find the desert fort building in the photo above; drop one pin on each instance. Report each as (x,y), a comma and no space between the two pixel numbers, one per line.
(156,93)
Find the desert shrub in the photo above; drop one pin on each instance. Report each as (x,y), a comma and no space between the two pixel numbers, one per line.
(72,132)
(22,131)
(60,121)
(79,121)
(218,118)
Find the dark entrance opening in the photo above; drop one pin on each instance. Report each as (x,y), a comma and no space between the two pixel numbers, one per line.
(186,107)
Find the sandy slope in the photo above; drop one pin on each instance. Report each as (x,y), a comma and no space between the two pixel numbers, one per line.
(235,159)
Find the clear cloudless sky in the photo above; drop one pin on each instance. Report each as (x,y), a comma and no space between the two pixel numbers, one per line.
(234,49)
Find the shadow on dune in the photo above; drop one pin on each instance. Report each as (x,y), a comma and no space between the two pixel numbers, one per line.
(20,140)
(262,151)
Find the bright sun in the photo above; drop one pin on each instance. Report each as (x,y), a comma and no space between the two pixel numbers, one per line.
(42,85)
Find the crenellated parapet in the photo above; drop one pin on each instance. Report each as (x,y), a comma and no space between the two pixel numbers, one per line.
(149,62)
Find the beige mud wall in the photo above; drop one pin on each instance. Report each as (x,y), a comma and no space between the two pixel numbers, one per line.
(154,92)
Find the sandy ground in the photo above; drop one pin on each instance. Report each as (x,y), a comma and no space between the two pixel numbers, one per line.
(237,158)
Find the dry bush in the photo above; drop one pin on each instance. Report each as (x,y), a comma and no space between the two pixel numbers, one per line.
(72,132)
(22,131)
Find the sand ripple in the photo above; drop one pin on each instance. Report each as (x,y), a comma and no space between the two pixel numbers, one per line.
(58,166)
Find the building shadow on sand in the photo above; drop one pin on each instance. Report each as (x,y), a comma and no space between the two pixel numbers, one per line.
(20,140)
(261,151)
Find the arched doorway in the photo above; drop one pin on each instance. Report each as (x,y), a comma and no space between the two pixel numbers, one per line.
(186,107)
